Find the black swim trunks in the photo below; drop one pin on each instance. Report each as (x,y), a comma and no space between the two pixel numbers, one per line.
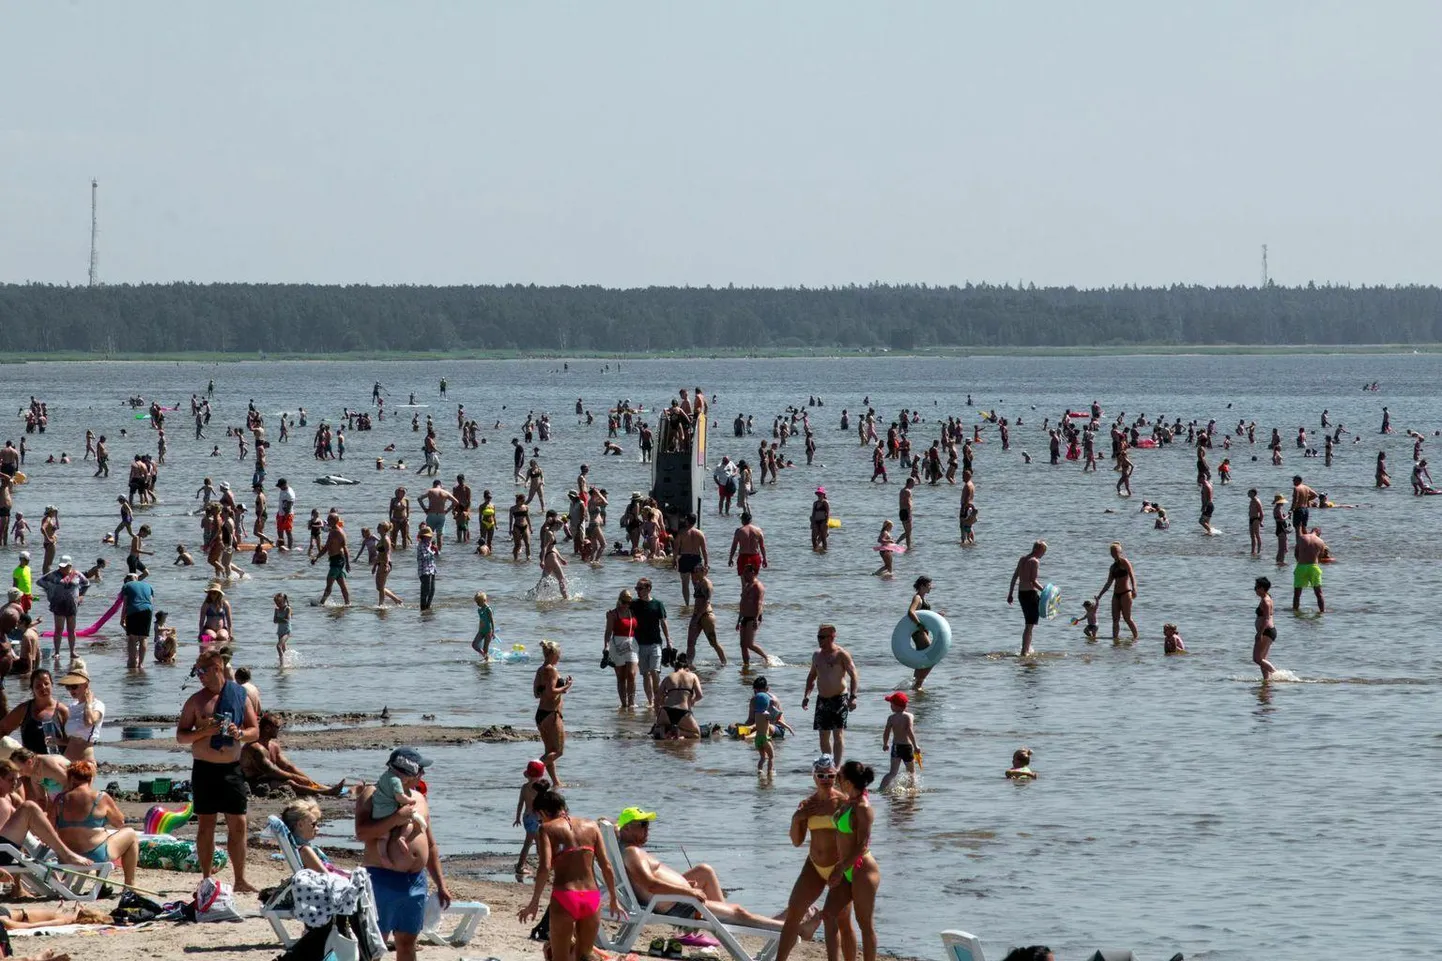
(831,713)
(218,788)
(903,752)
(1030,606)
(686,563)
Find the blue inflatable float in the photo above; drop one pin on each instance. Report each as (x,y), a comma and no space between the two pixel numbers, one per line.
(906,651)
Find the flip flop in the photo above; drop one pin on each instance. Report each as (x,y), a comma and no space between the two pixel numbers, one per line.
(698,940)
(674,949)
(658,948)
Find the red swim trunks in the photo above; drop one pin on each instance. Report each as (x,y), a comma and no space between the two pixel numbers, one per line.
(744,561)
(284,523)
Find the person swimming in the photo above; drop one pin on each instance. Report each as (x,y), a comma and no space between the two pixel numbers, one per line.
(1021,765)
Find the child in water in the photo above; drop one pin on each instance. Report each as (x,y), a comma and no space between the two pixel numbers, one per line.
(765,711)
(19,530)
(315,525)
(899,737)
(968,521)
(886,546)
(1090,617)
(486,629)
(525,811)
(1172,641)
(182,557)
(1021,765)
(281,619)
(165,643)
(1162,522)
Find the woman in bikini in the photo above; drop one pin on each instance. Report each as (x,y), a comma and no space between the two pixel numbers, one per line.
(703,616)
(619,645)
(215,617)
(536,484)
(857,876)
(568,851)
(91,823)
(814,817)
(679,693)
(381,564)
(1122,579)
(1265,627)
(548,688)
(520,528)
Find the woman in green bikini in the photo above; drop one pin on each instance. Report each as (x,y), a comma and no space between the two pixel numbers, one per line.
(857,876)
(814,816)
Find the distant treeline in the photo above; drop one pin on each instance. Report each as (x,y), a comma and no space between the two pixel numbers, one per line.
(245,318)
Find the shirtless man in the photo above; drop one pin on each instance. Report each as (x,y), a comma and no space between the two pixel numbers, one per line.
(1205,484)
(903,510)
(338,559)
(749,614)
(437,502)
(265,762)
(748,547)
(968,496)
(652,879)
(1308,572)
(1255,515)
(400,515)
(1303,497)
(691,553)
(401,895)
(7,502)
(216,722)
(10,459)
(461,494)
(833,675)
(1027,575)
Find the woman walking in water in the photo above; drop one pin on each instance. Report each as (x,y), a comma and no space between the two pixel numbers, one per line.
(814,818)
(548,688)
(920,636)
(536,484)
(1383,478)
(1279,519)
(1266,629)
(381,566)
(857,877)
(619,646)
(703,616)
(1123,581)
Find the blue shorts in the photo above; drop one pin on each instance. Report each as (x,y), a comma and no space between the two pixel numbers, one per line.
(531,823)
(400,900)
(436,522)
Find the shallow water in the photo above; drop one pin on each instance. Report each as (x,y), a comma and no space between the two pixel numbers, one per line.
(1180,807)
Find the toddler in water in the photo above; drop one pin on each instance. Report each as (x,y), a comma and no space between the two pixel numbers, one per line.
(281,619)
(1021,765)
(886,546)
(485,630)
(391,796)
(18,531)
(165,643)
(1171,640)
(315,525)
(525,810)
(1090,617)
(182,557)
(765,711)
(1162,522)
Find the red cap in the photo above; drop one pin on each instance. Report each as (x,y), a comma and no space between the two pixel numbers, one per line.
(898,697)
(535,769)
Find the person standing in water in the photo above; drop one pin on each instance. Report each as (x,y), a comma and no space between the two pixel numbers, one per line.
(1266,630)
(1122,578)
(1279,521)
(834,678)
(1027,577)
(549,688)
(1308,572)
(1255,516)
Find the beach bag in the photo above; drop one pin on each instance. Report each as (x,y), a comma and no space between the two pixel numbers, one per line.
(339,945)
(133,908)
(215,901)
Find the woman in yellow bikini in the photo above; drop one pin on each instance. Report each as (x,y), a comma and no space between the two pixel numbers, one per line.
(815,816)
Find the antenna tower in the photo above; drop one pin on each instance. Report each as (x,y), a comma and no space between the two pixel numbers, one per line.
(1264,267)
(94,234)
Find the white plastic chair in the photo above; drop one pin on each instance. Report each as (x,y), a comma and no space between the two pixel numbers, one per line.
(48,877)
(961,946)
(636,915)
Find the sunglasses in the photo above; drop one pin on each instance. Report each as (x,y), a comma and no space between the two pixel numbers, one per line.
(824,777)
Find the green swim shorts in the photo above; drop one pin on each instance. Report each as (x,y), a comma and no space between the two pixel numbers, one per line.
(337,567)
(1307,575)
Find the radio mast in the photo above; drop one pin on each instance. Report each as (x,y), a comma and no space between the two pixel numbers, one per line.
(1264,267)
(94,234)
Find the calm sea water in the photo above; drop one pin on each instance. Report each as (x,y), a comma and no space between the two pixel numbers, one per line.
(1180,805)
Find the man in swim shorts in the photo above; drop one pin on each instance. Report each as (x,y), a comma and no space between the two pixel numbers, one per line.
(285,516)
(1303,497)
(1028,577)
(401,893)
(748,546)
(338,560)
(216,723)
(1308,572)
(437,502)
(833,675)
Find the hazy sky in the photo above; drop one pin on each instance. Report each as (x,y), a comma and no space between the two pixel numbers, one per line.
(681,142)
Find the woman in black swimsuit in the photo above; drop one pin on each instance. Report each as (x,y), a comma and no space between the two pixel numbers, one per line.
(1123,581)
(548,688)
(920,636)
(520,528)
(680,692)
